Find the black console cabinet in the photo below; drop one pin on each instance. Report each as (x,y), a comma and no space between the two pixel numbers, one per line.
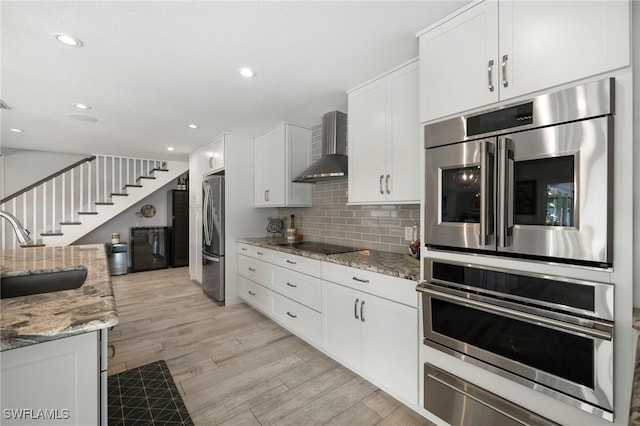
(149,248)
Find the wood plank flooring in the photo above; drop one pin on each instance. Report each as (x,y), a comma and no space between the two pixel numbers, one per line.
(234,366)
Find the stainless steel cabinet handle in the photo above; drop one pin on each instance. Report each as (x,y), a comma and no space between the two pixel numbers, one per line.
(291,315)
(505,82)
(252,293)
(243,248)
(265,195)
(259,253)
(360,280)
(291,262)
(362,311)
(355,309)
(387,184)
(252,270)
(381,179)
(291,285)
(490,75)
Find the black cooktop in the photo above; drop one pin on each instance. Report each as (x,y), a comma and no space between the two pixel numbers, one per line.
(321,248)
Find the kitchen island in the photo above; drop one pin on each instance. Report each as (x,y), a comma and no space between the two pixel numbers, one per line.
(53,345)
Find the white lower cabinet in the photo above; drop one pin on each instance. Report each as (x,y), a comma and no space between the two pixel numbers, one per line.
(365,320)
(373,335)
(54,382)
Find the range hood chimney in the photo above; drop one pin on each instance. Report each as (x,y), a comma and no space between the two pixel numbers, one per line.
(333,163)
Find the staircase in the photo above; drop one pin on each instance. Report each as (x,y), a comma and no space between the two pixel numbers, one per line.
(62,208)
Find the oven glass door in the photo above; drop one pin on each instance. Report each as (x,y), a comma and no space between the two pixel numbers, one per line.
(459,195)
(568,360)
(554,192)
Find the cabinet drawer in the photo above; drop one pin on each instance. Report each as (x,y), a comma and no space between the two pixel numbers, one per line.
(244,248)
(388,287)
(255,270)
(299,287)
(298,318)
(262,253)
(298,263)
(254,294)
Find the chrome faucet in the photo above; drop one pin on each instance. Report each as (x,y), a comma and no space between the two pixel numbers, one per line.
(21,233)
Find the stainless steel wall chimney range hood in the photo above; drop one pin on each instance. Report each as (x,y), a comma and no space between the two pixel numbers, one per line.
(333,163)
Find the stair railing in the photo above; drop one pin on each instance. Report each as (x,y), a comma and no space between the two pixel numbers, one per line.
(63,197)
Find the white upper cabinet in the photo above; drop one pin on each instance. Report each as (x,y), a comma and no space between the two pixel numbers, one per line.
(213,156)
(281,154)
(497,50)
(384,139)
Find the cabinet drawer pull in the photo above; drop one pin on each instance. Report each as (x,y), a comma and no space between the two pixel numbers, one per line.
(360,280)
(381,178)
(490,75)
(113,348)
(291,262)
(362,311)
(355,309)
(251,293)
(291,285)
(386,183)
(259,253)
(243,248)
(252,270)
(505,82)
(291,315)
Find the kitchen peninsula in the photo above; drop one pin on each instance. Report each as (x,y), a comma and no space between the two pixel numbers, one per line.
(54,344)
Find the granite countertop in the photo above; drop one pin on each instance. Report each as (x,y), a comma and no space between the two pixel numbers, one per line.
(634,411)
(394,264)
(41,317)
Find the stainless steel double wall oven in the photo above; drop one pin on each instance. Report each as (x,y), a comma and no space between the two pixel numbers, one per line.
(532,180)
(529,180)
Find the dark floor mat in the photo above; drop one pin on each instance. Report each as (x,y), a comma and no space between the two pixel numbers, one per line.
(146,395)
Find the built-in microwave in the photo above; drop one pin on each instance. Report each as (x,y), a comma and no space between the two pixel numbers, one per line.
(532,179)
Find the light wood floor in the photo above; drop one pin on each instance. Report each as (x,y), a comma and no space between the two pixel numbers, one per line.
(233,366)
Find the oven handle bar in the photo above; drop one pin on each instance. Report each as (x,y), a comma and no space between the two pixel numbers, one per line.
(486,194)
(576,330)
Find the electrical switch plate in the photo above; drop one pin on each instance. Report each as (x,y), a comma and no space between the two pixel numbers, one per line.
(408,233)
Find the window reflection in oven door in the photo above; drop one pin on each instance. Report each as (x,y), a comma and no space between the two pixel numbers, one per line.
(554,196)
(460,187)
(572,361)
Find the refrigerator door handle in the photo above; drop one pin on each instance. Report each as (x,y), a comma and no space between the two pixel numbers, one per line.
(210,258)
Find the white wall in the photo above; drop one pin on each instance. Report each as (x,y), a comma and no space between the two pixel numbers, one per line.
(635,45)
(23,167)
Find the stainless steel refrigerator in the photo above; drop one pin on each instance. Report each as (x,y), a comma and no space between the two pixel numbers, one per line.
(213,237)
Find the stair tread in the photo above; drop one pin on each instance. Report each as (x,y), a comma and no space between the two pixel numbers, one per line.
(119,194)
(87,212)
(145,177)
(70,223)
(51,234)
(132,185)
(103,203)
(159,170)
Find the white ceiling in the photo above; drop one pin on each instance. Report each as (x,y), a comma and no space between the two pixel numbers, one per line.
(150,68)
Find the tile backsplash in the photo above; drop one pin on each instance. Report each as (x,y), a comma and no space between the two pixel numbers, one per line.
(331,220)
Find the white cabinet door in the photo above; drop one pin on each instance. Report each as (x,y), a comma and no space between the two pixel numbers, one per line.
(341,323)
(195,244)
(459,68)
(270,168)
(213,156)
(552,43)
(61,376)
(367,142)
(390,345)
(403,136)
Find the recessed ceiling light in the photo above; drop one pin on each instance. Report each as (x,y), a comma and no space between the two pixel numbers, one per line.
(16,130)
(193,126)
(247,72)
(68,40)
(81,106)
(169,148)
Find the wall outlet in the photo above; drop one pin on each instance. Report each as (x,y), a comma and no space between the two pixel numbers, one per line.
(408,233)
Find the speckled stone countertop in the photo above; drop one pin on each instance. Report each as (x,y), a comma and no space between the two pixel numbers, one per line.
(634,412)
(41,317)
(393,264)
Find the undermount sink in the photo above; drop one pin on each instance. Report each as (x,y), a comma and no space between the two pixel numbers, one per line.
(42,282)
